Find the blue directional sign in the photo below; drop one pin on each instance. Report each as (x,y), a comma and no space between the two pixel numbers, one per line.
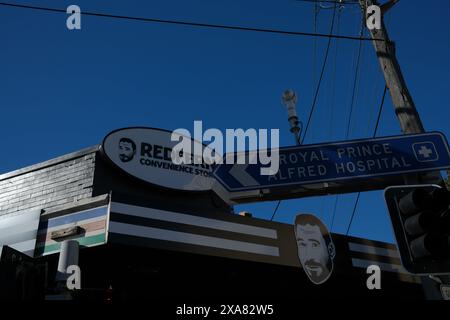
(331,162)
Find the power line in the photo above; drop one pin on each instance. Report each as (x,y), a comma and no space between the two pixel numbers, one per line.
(372,98)
(316,10)
(333,76)
(354,87)
(353,213)
(334,212)
(350,114)
(374,135)
(275,211)
(327,50)
(357,66)
(379,112)
(350,118)
(333,98)
(316,94)
(193,24)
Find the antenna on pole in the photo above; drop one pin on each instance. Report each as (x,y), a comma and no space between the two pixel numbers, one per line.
(289,100)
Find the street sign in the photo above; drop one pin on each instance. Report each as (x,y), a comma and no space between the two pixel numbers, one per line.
(363,159)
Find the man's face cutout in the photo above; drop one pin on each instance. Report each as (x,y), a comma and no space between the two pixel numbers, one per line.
(313,251)
(126,151)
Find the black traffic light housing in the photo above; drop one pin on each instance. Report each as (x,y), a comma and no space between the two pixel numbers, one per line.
(420,218)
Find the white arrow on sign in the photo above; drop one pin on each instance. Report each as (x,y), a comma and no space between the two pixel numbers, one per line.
(238,171)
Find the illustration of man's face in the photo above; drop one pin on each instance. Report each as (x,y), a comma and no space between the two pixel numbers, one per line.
(313,252)
(126,150)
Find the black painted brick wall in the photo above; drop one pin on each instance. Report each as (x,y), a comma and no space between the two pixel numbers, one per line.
(50,186)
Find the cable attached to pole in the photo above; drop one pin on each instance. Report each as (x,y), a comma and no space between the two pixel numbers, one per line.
(374,135)
(314,103)
(188,23)
(300,141)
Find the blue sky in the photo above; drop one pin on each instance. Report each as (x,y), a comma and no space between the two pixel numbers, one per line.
(63,90)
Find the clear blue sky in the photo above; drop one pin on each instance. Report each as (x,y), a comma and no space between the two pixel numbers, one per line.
(63,90)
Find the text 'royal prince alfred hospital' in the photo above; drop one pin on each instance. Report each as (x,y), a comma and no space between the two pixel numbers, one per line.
(339,160)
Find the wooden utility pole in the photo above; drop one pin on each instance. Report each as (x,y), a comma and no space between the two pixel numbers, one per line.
(401,98)
(404,109)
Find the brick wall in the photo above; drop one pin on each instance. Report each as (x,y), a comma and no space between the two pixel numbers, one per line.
(50,184)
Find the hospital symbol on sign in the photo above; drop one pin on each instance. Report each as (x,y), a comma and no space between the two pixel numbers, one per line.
(425,151)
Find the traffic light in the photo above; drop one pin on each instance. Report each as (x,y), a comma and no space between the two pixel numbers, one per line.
(420,218)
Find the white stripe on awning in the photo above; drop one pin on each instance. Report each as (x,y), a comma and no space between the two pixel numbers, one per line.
(192,220)
(373,250)
(193,239)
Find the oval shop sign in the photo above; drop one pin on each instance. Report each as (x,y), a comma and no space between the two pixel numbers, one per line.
(146,154)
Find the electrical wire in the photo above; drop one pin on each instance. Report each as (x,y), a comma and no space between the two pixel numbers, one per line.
(379,112)
(372,97)
(347,133)
(316,94)
(324,64)
(374,135)
(275,211)
(353,213)
(333,76)
(333,98)
(316,10)
(334,212)
(192,24)
(355,80)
